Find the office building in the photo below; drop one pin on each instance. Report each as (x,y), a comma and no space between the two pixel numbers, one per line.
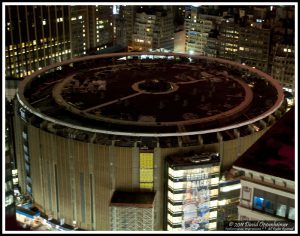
(254,47)
(191,192)
(153,29)
(38,35)
(212,47)
(80,136)
(283,66)
(198,27)
(229,40)
(268,181)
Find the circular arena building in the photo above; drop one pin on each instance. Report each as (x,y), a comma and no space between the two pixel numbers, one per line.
(93,133)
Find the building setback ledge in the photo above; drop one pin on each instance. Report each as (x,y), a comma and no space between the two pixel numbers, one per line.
(133,199)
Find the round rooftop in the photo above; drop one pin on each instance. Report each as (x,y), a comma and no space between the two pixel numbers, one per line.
(146,94)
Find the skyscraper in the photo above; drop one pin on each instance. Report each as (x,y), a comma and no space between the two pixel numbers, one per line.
(153,29)
(39,35)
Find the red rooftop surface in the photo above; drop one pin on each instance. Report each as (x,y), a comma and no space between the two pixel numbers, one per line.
(274,152)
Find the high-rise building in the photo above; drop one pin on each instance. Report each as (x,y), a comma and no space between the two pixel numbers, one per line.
(35,36)
(283,66)
(191,192)
(40,35)
(228,40)
(268,181)
(80,136)
(153,29)
(212,46)
(254,47)
(129,13)
(198,27)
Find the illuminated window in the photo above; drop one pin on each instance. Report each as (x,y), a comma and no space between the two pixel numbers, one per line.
(214,192)
(214,181)
(292,213)
(281,210)
(258,203)
(213,203)
(215,169)
(213,214)
(212,225)
(60,19)
(146,185)
(146,175)
(146,170)
(269,206)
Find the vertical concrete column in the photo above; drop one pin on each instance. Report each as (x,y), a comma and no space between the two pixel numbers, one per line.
(112,165)
(221,147)
(263,124)
(93,138)
(238,142)
(251,129)
(135,167)
(72,177)
(158,187)
(55,190)
(91,178)
(200,140)
(179,141)
(272,119)
(278,113)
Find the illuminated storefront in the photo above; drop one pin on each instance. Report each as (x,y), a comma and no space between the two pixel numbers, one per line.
(192,192)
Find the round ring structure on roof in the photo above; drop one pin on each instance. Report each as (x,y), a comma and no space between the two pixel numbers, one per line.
(151,94)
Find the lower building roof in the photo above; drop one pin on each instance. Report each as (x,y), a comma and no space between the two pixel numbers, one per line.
(133,199)
(274,153)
